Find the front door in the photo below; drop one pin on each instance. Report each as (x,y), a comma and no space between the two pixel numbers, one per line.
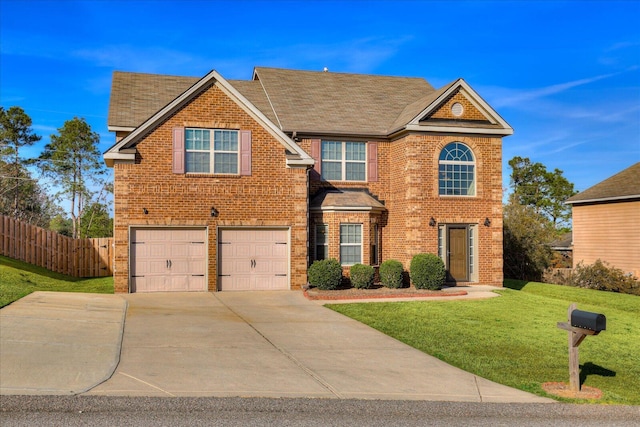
(458,259)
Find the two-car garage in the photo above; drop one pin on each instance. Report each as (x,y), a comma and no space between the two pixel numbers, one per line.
(176,259)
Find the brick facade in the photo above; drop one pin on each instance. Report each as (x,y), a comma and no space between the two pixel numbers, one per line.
(408,187)
(277,194)
(273,195)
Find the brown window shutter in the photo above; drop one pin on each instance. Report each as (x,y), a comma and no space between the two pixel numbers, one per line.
(316,146)
(178,150)
(245,152)
(372,161)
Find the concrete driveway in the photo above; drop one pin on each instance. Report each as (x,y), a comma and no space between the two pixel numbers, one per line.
(249,344)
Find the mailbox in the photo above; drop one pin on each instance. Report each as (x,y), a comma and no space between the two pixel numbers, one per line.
(587,320)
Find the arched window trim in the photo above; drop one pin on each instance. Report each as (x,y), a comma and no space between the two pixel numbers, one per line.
(457,177)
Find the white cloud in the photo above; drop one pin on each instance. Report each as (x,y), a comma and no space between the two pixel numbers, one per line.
(153,59)
(515,97)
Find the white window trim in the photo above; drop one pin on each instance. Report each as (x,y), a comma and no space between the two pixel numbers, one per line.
(212,151)
(351,244)
(343,160)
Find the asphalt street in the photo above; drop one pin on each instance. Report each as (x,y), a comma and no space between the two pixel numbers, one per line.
(183,411)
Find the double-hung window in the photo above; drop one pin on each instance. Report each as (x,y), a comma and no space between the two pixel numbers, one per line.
(350,244)
(211,151)
(344,161)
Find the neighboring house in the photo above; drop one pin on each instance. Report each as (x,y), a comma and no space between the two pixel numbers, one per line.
(606,222)
(242,184)
(563,251)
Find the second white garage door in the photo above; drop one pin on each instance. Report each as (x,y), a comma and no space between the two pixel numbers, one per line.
(253,259)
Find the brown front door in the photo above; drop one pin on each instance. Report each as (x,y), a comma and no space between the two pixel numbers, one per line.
(458,265)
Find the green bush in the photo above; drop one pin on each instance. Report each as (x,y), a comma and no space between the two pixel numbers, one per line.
(427,272)
(361,276)
(391,274)
(325,274)
(601,276)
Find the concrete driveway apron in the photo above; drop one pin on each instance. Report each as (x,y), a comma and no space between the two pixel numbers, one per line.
(276,344)
(57,343)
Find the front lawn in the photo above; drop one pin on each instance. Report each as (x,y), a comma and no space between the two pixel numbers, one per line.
(18,279)
(514,340)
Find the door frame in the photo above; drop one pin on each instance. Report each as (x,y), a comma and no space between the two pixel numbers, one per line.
(471,249)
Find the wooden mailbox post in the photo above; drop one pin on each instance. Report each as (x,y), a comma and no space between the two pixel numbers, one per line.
(579,325)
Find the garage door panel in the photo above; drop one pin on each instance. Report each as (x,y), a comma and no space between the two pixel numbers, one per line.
(197,250)
(280,282)
(279,267)
(178,283)
(179,250)
(280,251)
(263,249)
(155,249)
(197,283)
(197,267)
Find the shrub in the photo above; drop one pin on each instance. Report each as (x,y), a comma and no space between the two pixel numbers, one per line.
(361,276)
(604,278)
(325,274)
(427,272)
(391,273)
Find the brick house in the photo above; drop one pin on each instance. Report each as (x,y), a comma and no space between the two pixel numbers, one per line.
(241,184)
(606,222)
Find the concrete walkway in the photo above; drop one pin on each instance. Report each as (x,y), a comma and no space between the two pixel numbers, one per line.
(248,344)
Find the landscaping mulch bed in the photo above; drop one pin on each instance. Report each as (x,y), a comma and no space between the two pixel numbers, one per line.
(377,291)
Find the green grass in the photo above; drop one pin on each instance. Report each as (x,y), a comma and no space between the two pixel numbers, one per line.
(514,340)
(18,279)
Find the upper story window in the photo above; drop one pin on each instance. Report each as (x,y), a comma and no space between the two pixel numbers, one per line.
(344,161)
(456,171)
(211,151)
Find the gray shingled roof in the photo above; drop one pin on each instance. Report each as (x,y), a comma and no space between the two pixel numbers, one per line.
(338,103)
(136,96)
(300,101)
(623,185)
(345,200)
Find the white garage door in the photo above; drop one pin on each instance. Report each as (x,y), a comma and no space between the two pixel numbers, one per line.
(168,259)
(253,259)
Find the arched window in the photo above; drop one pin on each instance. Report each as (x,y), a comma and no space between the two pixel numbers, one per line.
(456,171)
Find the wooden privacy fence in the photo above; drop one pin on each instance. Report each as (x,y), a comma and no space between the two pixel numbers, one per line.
(55,252)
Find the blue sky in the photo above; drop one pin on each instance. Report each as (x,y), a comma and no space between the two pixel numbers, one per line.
(565,75)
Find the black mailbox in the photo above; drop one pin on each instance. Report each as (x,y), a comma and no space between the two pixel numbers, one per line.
(587,320)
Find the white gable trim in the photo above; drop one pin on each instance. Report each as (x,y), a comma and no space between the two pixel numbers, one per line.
(213,77)
(120,128)
(475,100)
(459,129)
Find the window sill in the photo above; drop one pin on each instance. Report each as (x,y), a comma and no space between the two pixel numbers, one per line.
(211,175)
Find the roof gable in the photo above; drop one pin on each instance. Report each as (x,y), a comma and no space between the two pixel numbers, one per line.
(122,149)
(456,108)
(622,186)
